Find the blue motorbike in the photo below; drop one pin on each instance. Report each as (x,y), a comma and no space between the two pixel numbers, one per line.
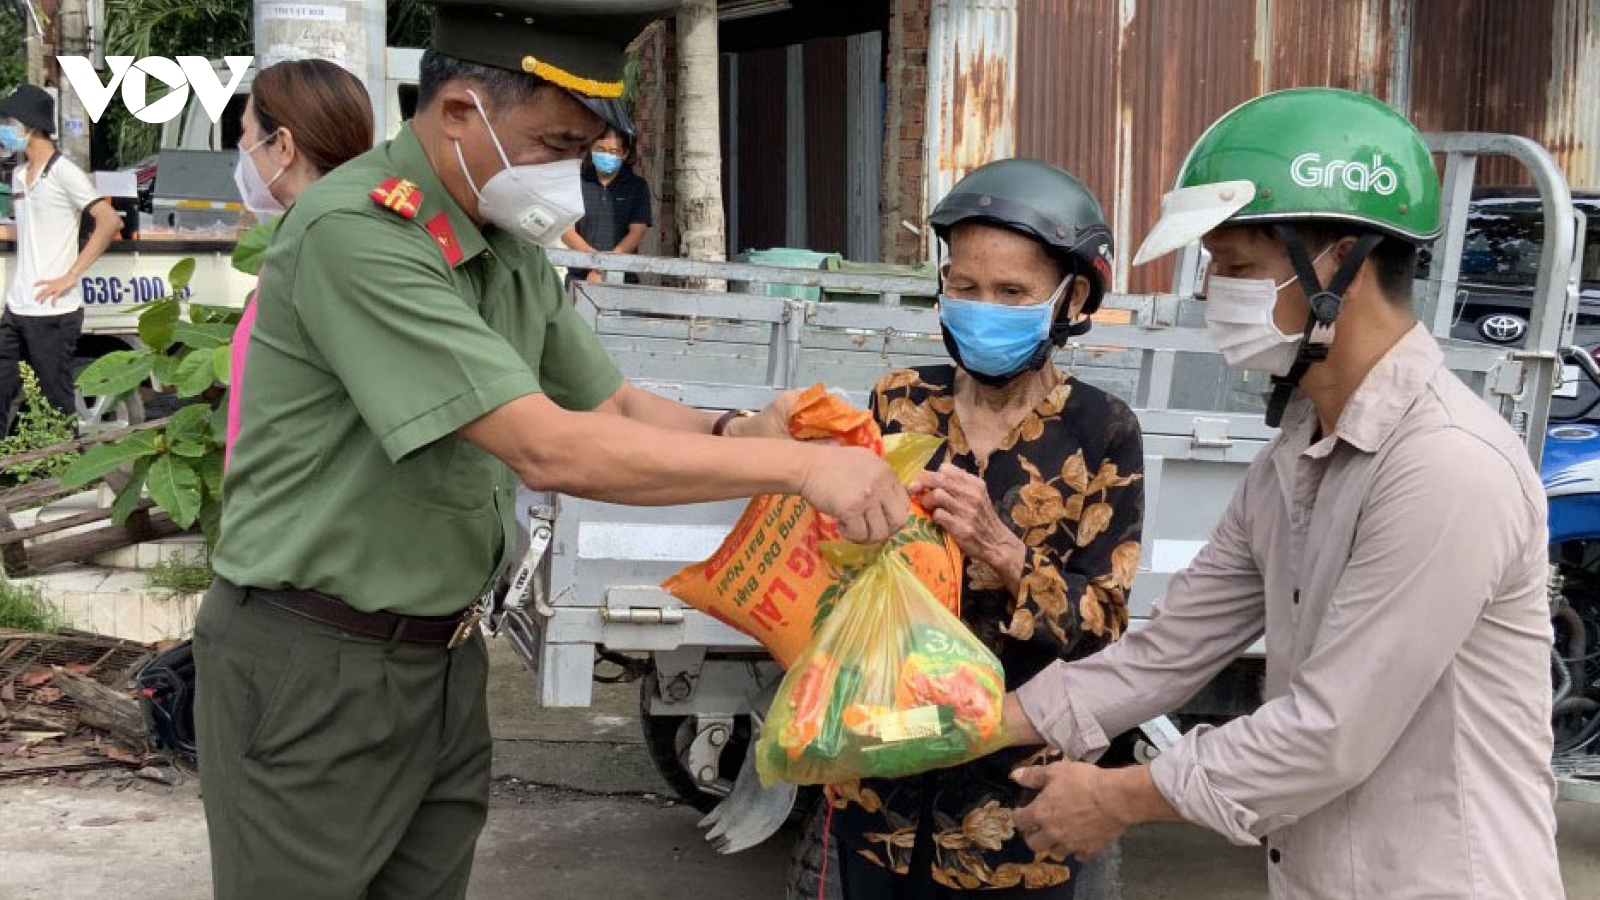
(1570,468)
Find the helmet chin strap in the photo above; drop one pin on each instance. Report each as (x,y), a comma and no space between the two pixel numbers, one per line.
(1325,303)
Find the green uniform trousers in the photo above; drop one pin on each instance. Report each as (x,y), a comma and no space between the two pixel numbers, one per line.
(336,767)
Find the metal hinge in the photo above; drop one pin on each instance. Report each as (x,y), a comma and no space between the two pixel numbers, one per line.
(1506,378)
(1210,433)
(642,615)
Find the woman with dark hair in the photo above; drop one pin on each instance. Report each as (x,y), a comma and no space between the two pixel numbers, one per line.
(303,119)
(616,203)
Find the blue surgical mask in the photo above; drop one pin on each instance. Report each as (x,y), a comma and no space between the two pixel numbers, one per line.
(994,339)
(12,138)
(606,163)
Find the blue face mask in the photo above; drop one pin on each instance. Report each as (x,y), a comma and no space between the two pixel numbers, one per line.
(997,340)
(12,138)
(606,163)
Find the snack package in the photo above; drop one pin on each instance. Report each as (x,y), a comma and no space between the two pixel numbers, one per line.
(771,579)
(893,684)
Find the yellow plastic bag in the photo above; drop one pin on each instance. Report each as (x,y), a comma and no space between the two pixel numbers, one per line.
(770,578)
(892,685)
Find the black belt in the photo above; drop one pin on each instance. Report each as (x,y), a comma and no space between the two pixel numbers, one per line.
(382,626)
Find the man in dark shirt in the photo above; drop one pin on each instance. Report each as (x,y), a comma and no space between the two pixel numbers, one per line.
(616,204)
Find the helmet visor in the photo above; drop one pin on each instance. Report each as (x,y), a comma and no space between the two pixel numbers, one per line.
(1188,213)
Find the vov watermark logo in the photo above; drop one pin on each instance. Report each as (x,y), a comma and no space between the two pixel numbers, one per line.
(179,75)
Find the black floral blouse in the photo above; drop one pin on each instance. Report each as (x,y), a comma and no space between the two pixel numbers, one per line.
(1067,480)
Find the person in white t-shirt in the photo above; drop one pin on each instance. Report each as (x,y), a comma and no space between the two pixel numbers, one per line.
(44,306)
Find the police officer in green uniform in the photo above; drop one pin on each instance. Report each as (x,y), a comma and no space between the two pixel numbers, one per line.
(410,357)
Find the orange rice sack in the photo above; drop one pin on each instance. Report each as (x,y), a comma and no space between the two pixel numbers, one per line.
(770,578)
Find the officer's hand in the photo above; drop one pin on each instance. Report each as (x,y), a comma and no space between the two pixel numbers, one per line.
(594,276)
(51,289)
(772,422)
(857,488)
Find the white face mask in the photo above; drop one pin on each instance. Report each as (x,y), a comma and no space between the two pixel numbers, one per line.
(255,192)
(537,203)
(1239,320)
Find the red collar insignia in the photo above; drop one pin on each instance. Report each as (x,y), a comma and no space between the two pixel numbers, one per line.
(445,237)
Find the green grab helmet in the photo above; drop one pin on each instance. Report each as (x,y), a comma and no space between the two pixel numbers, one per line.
(1304,154)
(1041,201)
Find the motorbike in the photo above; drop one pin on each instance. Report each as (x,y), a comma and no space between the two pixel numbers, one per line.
(1570,469)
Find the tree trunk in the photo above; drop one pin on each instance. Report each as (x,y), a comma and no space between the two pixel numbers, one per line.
(73,121)
(700,219)
(34,45)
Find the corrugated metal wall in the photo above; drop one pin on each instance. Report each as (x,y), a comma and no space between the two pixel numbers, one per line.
(972,85)
(1530,68)
(1572,114)
(1481,66)
(763,148)
(827,103)
(1117,90)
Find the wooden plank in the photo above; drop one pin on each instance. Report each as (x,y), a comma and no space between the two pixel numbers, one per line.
(143,525)
(106,709)
(64,762)
(12,557)
(88,440)
(34,493)
(94,515)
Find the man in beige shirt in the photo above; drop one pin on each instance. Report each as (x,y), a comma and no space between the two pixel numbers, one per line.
(1390,544)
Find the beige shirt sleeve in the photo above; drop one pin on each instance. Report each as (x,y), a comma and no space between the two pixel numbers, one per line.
(1213,610)
(1444,522)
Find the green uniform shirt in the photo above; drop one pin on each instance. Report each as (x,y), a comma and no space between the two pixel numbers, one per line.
(368,351)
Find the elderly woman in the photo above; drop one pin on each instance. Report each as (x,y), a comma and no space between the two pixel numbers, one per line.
(1039,483)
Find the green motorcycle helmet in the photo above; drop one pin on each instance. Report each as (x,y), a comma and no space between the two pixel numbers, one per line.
(1303,155)
(1042,201)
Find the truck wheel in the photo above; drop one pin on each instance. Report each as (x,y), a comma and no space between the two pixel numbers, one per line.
(105,413)
(668,739)
(807,880)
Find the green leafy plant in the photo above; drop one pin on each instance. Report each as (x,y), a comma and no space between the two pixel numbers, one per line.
(177,576)
(410,23)
(24,607)
(140,28)
(179,464)
(39,425)
(13,53)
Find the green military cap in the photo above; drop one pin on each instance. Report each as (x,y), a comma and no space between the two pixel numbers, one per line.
(580,45)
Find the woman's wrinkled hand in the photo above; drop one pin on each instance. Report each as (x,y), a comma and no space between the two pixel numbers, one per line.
(959,503)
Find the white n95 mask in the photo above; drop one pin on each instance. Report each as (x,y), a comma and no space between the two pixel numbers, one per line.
(538,203)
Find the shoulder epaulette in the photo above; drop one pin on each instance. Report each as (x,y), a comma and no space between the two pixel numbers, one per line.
(399,196)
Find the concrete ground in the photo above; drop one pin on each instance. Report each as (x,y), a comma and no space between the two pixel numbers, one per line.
(577,812)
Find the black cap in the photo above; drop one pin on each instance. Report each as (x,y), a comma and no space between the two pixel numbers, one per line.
(580,45)
(32,106)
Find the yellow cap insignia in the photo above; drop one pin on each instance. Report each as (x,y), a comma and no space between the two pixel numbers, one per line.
(610,90)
